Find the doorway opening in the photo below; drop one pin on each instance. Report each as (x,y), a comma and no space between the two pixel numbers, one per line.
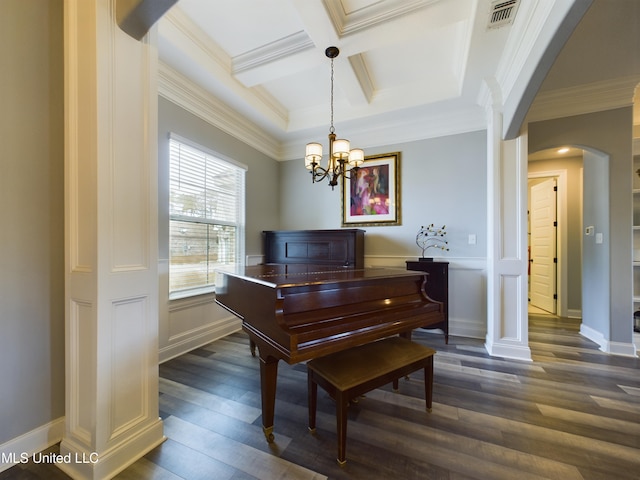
(555,227)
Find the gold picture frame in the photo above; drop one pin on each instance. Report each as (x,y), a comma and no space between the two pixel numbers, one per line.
(371,196)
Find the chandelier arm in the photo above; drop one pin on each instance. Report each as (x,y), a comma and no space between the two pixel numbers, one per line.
(352,173)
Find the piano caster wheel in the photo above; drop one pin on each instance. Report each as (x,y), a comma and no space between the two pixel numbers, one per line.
(268,434)
(312,430)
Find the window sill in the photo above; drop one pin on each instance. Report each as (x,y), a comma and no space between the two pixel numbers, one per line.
(191,298)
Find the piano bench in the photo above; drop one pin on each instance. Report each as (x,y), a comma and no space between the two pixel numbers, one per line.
(350,373)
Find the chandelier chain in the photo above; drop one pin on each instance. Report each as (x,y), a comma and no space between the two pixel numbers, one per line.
(332,129)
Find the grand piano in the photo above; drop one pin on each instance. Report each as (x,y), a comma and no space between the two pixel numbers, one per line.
(296,312)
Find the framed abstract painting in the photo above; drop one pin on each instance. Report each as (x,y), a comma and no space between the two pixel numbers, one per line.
(371,196)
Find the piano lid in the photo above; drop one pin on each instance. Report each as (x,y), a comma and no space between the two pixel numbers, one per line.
(286,275)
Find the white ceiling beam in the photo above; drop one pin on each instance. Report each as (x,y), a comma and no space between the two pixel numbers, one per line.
(317,23)
(278,59)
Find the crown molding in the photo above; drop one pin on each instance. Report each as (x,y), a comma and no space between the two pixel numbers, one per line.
(370,16)
(178,29)
(587,98)
(390,132)
(193,98)
(180,90)
(183,24)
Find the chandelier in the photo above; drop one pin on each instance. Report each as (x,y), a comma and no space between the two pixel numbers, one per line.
(341,159)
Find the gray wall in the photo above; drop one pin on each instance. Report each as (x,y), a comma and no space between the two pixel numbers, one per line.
(597,284)
(608,132)
(443,181)
(188,323)
(262,178)
(32,232)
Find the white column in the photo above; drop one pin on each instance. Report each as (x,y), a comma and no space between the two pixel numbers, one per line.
(507,257)
(110,243)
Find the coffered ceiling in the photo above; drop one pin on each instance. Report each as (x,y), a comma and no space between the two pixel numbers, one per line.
(407,69)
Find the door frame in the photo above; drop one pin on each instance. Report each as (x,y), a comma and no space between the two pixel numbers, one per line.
(561,236)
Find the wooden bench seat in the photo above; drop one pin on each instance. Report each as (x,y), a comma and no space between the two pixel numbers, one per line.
(348,374)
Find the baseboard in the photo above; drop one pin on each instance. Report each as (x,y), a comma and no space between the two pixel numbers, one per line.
(508,350)
(462,327)
(188,341)
(607,346)
(574,313)
(593,335)
(22,448)
(624,349)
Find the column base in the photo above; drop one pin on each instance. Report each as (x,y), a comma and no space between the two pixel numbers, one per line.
(80,463)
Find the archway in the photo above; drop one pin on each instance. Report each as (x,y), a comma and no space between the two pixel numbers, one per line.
(583,231)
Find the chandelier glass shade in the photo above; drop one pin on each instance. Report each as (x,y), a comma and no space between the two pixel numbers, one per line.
(341,159)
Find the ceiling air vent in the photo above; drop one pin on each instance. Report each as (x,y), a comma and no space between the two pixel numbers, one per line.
(502,13)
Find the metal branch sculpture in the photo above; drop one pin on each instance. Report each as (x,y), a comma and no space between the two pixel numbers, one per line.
(432,237)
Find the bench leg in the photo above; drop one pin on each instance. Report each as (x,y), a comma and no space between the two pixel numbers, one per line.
(313,398)
(342,405)
(428,383)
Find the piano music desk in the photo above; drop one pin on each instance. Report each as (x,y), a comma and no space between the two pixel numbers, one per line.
(350,373)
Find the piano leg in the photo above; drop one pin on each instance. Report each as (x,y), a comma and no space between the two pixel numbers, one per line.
(268,378)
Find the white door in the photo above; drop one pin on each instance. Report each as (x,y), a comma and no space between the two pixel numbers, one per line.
(543,245)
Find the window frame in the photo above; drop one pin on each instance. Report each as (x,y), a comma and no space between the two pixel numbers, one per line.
(239,225)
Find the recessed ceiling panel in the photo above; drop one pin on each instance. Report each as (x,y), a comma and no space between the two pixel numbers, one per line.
(434,61)
(304,89)
(239,26)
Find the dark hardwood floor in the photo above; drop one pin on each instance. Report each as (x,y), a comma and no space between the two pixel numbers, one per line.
(572,413)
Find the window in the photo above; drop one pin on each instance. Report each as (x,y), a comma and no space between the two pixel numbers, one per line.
(206,216)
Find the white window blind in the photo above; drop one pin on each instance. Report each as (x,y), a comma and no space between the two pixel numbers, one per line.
(206,212)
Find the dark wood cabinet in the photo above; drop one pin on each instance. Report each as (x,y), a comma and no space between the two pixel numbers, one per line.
(437,287)
(321,247)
